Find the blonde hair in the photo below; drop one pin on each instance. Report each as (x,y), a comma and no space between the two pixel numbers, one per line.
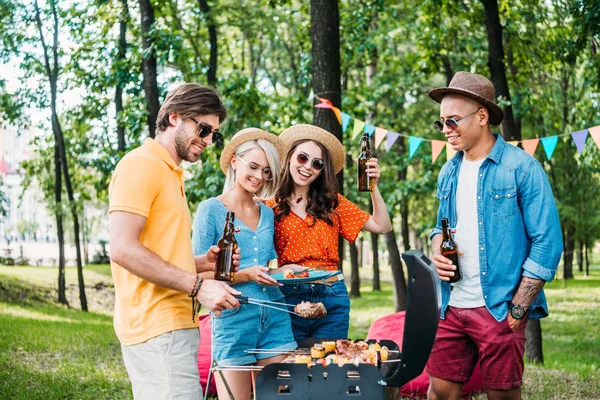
(268,188)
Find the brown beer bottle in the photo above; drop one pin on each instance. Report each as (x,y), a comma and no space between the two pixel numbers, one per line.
(227,246)
(365,183)
(449,249)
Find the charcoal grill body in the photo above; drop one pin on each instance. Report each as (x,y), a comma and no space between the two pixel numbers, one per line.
(297,382)
(423,304)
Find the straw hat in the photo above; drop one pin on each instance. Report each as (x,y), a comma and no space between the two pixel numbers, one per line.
(310,132)
(476,87)
(243,136)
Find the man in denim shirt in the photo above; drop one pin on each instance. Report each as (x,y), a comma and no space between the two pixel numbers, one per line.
(500,202)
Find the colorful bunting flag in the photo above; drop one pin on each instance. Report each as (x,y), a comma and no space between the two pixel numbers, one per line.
(369,129)
(345,120)
(450,152)
(595,134)
(328,104)
(391,139)
(379,135)
(436,149)
(530,145)
(358,128)
(579,139)
(413,144)
(549,144)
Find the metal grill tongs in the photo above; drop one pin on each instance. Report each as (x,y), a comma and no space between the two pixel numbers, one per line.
(268,304)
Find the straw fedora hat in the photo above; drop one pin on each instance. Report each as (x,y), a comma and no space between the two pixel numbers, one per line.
(310,132)
(246,135)
(476,87)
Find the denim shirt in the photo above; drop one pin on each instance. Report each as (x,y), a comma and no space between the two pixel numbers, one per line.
(519,228)
(257,247)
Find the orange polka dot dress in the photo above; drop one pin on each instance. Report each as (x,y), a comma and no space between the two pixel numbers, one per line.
(313,243)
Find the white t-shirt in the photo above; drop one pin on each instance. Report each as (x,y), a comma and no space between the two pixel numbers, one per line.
(467,292)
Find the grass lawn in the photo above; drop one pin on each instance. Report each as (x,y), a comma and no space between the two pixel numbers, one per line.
(48,351)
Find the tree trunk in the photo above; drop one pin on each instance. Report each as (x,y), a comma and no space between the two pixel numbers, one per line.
(587,261)
(533,342)
(569,243)
(580,256)
(448,70)
(121,72)
(496,65)
(84,238)
(62,286)
(354,277)
(52,78)
(326,75)
(149,65)
(375,247)
(399,282)
(52,74)
(211,74)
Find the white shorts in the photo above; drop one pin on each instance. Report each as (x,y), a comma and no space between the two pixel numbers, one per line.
(165,367)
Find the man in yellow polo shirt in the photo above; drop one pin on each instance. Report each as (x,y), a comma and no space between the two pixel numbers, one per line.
(153,267)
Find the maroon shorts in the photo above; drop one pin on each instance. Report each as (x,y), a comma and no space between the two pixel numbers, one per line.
(471,334)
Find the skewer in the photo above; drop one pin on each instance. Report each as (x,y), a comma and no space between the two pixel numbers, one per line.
(244,299)
(268,351)
(250,301)
(240,368)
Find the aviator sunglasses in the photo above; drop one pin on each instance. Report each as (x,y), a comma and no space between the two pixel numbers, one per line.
(317,163)
(205,130)
(451,123)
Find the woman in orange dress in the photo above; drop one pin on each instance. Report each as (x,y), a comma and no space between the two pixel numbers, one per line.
(310,214)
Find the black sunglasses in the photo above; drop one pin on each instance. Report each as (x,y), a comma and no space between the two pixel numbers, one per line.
(451,123)
(317,163)
(205,130)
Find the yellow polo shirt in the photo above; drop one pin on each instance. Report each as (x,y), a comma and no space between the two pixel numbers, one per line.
(147,182)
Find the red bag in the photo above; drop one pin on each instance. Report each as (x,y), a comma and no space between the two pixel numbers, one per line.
(204,353)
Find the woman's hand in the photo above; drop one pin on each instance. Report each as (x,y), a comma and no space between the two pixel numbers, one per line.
(373,169)
(260,275)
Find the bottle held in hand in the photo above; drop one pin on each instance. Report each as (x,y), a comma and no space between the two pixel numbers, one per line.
(224,270)
(449,249)
(365,183)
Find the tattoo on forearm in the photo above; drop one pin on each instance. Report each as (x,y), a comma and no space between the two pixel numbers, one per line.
(528,291)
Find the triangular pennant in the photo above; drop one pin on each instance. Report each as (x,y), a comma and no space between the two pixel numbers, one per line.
(595,134)
(369,129)
(513,142)
(450,152)
(379,135)
(413,145)
(549,144)
(391,139)
(579,139)
(337,112)
(324,103)
(358,128)
(345,121)
(530,145)
(436,149)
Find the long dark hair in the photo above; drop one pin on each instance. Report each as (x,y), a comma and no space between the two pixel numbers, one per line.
(322,193)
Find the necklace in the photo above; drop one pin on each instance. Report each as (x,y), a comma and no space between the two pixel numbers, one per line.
(299,199)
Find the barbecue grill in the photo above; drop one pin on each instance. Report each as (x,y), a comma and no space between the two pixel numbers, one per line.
(287,381)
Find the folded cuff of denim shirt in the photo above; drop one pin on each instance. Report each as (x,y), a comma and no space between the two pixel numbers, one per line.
(536,271)
(435,231)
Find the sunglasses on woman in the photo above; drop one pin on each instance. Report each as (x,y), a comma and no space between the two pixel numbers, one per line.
(205,130)
(317,163)
(254,169)
(451,123)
